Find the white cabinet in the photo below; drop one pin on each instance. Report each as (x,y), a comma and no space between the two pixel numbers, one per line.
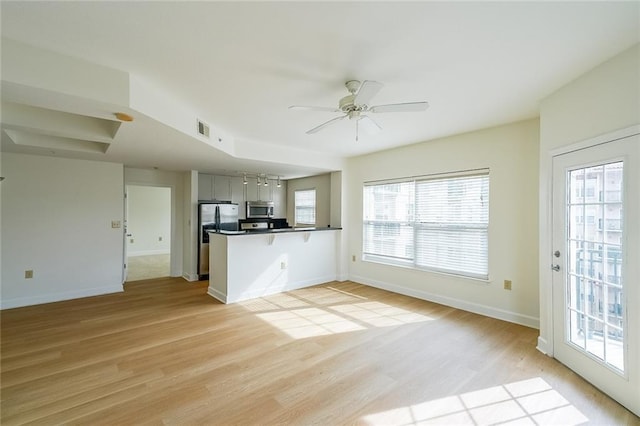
(205,187)
(212,187)
(222,188)
(252,190)
(226,188)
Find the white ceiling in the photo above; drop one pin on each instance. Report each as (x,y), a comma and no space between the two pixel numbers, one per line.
(241,64)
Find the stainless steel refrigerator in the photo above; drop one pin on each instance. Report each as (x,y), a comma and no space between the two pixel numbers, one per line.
(213,217)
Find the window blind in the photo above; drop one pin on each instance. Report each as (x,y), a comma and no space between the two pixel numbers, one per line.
(435,223)
(305,207)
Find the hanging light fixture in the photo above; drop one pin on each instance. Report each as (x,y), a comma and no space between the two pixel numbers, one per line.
(266,180)
(244,179)
(278,185)
(258,179)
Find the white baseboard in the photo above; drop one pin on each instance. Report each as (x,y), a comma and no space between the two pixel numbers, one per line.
(147,252)
(190,277)
(58,297)
(543,346)
(476,308)
(217,295)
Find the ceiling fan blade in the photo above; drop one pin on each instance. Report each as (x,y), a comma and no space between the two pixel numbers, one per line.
(325,124)
(404,107)
(314,108)
(368,89)
(369,125)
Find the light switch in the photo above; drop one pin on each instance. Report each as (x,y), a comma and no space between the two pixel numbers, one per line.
(115,224)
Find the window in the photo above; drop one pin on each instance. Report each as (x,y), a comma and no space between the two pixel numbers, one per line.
(305,207)
(437,223)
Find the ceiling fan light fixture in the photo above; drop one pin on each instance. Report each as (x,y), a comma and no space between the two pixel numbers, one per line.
(356,106)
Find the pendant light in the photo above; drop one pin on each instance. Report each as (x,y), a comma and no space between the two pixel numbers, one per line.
(244,179)
(266,180)
(278,185)
(258,179)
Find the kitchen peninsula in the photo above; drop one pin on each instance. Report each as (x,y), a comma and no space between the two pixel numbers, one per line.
(246,265)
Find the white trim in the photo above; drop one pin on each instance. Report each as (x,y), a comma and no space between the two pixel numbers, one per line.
(217,294)
(546,338)
(190,277)
(58,297)
(476,308)
(543,346)
(598,140)
(431,176)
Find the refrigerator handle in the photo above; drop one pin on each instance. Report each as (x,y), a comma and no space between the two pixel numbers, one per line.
(217,219)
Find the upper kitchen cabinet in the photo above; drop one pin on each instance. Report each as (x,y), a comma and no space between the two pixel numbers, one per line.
(252,189)
(212,187)
(205,187)
(222,188)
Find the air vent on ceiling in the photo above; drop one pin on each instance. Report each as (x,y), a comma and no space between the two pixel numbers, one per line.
(203,129)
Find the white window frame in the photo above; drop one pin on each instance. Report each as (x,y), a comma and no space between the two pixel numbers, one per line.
(410,223)
(295,207)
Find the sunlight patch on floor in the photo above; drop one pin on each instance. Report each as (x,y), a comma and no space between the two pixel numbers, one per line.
(528,402)
(322,311)
(303,323)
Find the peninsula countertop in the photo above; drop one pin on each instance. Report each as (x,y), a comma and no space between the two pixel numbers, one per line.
(276,231)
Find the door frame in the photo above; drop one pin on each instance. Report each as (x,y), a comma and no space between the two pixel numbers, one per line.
(173,246)
(546,336)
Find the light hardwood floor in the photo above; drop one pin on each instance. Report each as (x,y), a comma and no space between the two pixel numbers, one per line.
(341,353)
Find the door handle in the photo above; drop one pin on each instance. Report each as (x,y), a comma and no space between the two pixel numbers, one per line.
(555,267)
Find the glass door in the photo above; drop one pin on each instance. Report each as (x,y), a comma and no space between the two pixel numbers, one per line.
(596,235)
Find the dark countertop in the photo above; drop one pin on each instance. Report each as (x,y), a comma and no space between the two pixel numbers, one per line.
(276,231)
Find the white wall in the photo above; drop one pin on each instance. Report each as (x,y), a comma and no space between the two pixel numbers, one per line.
(603,100)
(174,180)
(322,185)
(56,220)
(148,220)
(511,154)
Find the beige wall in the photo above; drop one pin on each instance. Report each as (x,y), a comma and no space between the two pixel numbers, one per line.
(511,154)
(57,221)
(322,185)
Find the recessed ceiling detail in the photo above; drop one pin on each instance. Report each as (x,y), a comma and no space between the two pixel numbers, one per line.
(56,130)
(55,143)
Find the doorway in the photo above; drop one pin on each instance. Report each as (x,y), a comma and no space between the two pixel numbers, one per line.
(148,236)
(596,252)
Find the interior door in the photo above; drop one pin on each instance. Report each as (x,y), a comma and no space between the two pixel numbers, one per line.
(596,279)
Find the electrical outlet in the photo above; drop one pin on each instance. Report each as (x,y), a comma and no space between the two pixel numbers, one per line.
(131,241)
(507,284)
(283,265)
(115,224)
(353,258)
(28,273)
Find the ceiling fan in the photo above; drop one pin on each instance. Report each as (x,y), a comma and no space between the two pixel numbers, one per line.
(355,106)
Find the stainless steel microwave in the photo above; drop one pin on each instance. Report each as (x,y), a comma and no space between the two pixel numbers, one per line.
(260,209)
